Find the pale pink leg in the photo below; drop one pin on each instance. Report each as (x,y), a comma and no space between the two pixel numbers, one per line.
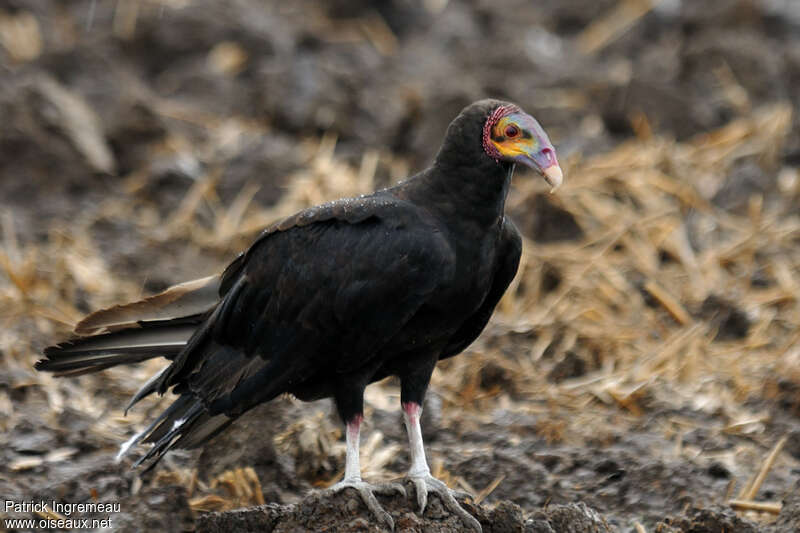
(420,474)
(352,476)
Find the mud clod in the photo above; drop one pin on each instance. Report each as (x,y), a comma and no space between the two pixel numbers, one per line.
(572,518)
(711,520)
(335,513)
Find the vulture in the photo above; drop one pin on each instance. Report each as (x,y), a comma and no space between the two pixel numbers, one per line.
(334,298)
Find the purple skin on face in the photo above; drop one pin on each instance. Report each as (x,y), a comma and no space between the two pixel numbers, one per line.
(513,136)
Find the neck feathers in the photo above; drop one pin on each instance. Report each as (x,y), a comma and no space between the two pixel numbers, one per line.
(463,194)
(465,183)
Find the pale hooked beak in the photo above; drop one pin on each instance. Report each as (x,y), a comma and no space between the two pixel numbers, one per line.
(553,176)
(544,161)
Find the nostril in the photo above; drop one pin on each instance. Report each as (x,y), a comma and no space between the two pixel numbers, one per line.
(550,156)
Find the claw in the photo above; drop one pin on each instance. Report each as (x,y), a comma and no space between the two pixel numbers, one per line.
(462,495)
(421,490)
(367,493)
(425,484)
(390,489)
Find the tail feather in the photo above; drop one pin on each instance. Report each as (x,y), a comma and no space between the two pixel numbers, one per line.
(82,371)
(171,418)
(203,430)
(149,387)
(176,324)
(192,428)
(92,354)
(186,299)
(173,429)
(138,339)
(87,364)
(174,411)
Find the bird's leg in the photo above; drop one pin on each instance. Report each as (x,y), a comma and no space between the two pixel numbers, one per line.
(352,476)
(412,392)
(352,465)
(419,464)
(420,473)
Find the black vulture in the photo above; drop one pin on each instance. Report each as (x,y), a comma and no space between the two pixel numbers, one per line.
(334,298)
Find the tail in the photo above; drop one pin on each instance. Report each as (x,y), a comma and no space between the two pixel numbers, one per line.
(194,297)
(92,354)
(228,383)
(173,324)
(186,424)
(160,325)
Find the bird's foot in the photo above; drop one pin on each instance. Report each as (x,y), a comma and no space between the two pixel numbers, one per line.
(367,493)
(425,484)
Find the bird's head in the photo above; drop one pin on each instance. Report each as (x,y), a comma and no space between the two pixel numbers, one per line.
(513,136)
(490,136)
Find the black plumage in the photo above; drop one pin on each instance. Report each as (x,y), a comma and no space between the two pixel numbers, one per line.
(335,297)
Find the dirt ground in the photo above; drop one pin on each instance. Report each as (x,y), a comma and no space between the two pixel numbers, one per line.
(643,372)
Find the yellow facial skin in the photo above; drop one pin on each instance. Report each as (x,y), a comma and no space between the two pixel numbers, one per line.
(518,138)
(511,139)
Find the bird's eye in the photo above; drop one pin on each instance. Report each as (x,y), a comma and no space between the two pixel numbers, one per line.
(511,131)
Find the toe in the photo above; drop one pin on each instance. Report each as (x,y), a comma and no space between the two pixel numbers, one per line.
(379,512)
(424,485)
(453,506)
(462,495)
(390,489)
(367,494)
(421,488)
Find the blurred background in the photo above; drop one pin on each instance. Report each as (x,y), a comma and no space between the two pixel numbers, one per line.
(645,361)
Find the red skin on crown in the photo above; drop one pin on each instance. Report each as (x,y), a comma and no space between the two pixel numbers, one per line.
(497,114)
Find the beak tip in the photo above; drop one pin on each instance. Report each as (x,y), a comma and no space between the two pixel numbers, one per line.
(554,176)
